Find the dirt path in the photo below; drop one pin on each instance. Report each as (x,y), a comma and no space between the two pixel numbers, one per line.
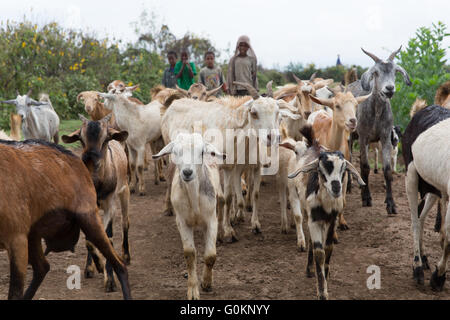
(266,266)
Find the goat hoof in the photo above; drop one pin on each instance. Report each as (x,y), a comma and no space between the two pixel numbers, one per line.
(375,170)
(185,275)
(88,274)
(231,239)
(256,230)
(162,179)
(126,258)
(367,202)
(110,286)
(343,227)
(206,287)
(390,208)
(284,230)
(156,182)
(301,248)
(335,240)
(323,296)
(132,190)
(310,274)
(141,193)
(437,282)
(425,264)
(168,212)
(418,275)
(249,208)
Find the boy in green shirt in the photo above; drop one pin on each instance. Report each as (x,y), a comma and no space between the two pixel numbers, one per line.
(185,71)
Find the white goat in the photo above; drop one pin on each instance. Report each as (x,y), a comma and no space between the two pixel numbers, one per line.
(143,124)
(195,195)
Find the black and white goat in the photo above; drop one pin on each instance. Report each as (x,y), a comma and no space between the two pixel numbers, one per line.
(426,151)
(319,177)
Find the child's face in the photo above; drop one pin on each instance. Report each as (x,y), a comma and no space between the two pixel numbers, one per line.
(172,59)
(184,56)
(209,61)
(243,48)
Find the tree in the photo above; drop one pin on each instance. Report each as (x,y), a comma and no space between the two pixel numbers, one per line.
(424,60)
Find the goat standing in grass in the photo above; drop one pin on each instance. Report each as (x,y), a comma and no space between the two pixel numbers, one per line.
(106,161)
(375,120)
(39,119)
(195,195)
(47,193)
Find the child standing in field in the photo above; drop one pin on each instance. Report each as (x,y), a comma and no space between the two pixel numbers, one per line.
(210,76)
(169,79)
(242,67)
(185,71)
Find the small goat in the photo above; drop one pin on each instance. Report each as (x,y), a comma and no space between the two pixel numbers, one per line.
(319,180)
(375,120)
(48,193)
(196,193)
(107,163)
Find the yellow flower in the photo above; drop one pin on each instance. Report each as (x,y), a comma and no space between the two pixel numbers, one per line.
(71,68)
(130,84)
(39,78)
(83,60)
(83,70)
(49,51)
(23,44)
(61,53)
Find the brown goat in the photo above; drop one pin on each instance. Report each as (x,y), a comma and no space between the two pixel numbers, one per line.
(107,163)
(16,126)
(48,193)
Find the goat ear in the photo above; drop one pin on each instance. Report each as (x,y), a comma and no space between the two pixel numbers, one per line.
(117,135)
(366,78)
(287,105)
(306,168)
(361,99)
(355,173)
(71,138)
(164,151)
(212,150)
(132,88)
(324,102)
(404,74)
(323,83)
(297,79)
(287,145)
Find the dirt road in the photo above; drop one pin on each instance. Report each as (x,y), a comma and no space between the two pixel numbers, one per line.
(265,266)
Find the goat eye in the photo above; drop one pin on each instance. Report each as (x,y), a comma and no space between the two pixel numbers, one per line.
(338,106)
(254,114)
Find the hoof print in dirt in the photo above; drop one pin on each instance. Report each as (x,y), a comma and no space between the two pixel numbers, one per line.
(437,282)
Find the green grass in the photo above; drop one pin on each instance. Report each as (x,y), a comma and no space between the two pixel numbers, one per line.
(67,127)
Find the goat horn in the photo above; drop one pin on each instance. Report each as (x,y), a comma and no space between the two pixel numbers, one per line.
(182,91)
(313,76)
(29,92)
(79,96)
(374,57)
(393,54)
(252,91)
(269,89)
(83,118)
(107,118)
(297,79)
(213,91)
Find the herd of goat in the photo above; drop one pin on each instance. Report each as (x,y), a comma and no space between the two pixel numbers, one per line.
(312,124)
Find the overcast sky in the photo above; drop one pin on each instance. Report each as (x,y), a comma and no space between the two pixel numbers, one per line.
(281,31)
